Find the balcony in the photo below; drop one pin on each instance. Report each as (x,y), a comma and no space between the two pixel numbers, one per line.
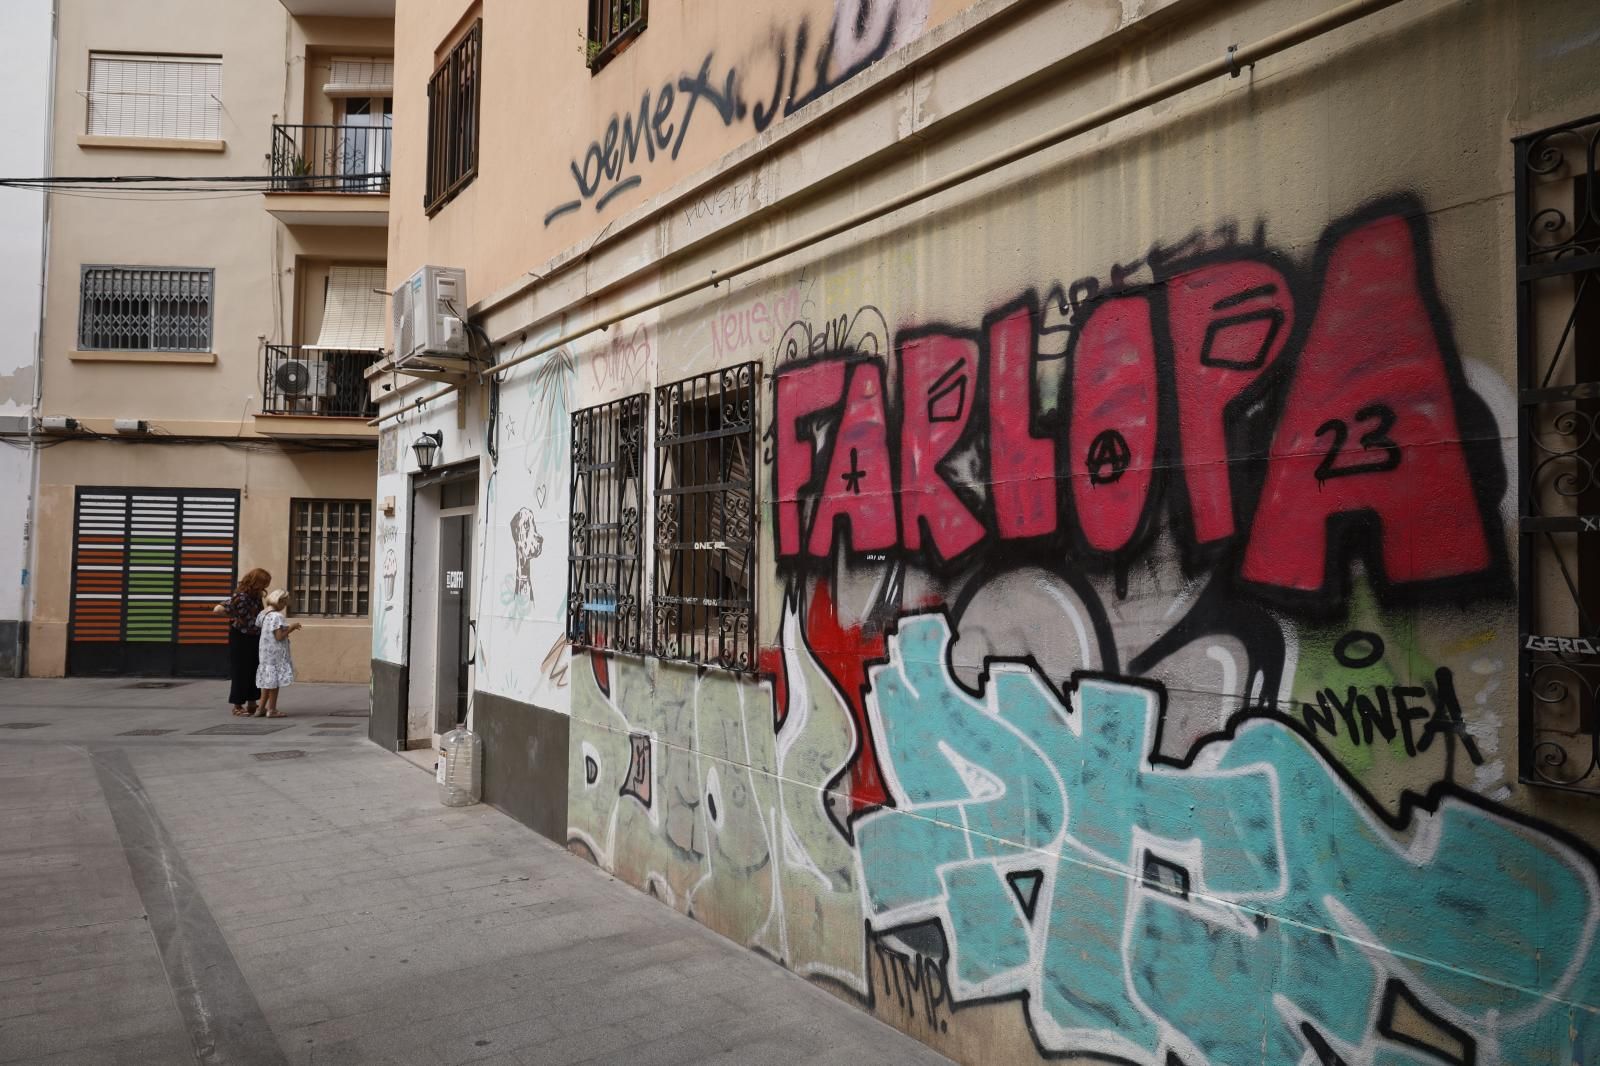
(357,9)
(330,175)
(316,392)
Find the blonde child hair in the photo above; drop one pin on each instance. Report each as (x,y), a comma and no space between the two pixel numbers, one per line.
(276,600)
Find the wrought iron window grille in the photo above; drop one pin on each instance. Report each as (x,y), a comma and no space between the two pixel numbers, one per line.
(453,97)
(145,309)
(606,531)
(612,25)
(703,595)
(1557,191)
(330,561)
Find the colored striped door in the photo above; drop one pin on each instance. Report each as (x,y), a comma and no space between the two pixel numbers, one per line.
(148,564)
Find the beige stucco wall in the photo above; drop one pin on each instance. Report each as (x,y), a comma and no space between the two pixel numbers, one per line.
(332,649)
(255,298)
(543,110)
(1381,864)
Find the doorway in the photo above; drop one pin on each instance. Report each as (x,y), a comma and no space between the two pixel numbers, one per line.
(442,634)
(455,623)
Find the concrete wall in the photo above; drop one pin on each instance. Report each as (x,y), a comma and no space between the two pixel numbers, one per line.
(26,49)
(1138,632)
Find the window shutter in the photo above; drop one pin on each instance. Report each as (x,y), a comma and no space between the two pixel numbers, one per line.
(360,77)
(168,97)
(353,319)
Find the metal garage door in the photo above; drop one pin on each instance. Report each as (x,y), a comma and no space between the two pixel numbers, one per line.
(147,566)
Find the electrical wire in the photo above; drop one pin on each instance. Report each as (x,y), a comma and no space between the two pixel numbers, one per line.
(158,436)
(130,186)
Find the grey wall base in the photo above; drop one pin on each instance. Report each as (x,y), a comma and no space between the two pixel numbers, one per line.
(13,647)
(391,690)
(524,762)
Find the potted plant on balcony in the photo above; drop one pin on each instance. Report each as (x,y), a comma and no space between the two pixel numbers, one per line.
(299,173)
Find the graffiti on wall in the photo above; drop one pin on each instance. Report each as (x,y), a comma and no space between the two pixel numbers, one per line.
(1130,676)
(806,62)
(1123,895)
(1264,418)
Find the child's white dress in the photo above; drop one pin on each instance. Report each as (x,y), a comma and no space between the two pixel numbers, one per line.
(276,669)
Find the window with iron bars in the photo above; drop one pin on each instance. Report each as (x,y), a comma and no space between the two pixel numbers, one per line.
(612,24)
(704,593)
(145,309)
(1557,205)
(453,96)
(605,556)
(330,559)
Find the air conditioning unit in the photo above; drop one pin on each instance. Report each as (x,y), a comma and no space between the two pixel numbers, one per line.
(428,312)
(299,384)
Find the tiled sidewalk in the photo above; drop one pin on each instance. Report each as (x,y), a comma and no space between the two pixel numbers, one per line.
(172,898)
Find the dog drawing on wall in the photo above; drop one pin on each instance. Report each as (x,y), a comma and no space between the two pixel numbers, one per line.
(529,544)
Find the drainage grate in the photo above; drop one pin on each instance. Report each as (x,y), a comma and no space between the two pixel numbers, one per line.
(23,725)
(241,729)
(338,725)
(147,732)
(273,756)
(155,684)
(350,714)
(336,733)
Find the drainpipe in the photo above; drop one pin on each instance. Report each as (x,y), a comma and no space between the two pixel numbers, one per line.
(29,540)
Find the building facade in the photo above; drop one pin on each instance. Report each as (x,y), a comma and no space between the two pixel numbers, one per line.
(26,47)
(1067,524)
(204,404)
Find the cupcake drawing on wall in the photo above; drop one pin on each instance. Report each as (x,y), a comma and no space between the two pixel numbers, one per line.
(391,567)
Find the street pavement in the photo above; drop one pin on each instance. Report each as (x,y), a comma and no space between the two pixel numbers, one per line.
(299,896)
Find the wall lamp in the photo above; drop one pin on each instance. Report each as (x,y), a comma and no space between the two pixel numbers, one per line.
(427,449)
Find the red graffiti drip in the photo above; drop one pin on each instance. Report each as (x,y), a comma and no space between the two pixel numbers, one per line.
(602,670)
(843,652)
(772,664)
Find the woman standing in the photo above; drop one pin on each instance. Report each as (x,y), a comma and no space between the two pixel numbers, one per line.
(244,636)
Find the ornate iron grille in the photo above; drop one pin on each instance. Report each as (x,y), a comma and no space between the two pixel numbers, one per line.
(606,530)
(330,561)
(704,606)
(139,309)
(453,121)
(1558,354)
(612,24)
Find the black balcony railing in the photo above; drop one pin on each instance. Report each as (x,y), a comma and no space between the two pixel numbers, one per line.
(316,382)
(353,159)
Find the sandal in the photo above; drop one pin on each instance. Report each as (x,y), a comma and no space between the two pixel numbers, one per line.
(240,712)
(274,714)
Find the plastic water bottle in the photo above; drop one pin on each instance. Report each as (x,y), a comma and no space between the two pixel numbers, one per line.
(460,768)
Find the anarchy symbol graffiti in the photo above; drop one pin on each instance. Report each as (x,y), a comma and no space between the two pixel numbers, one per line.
(1108,457)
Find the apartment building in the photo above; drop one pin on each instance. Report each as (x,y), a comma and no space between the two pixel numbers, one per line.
(203,401)
(1068,524)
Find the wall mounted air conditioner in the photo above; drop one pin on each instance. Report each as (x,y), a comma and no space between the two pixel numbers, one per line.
(299,384)
(428,313)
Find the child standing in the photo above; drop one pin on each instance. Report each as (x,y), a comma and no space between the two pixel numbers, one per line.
(277,668)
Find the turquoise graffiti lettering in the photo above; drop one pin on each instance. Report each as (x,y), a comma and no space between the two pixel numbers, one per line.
(1247,908)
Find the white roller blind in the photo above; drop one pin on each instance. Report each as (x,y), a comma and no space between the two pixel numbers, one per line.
(170,97)
(360,77)
(353,319)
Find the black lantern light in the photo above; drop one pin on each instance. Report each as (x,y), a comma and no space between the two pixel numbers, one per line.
(427,449)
